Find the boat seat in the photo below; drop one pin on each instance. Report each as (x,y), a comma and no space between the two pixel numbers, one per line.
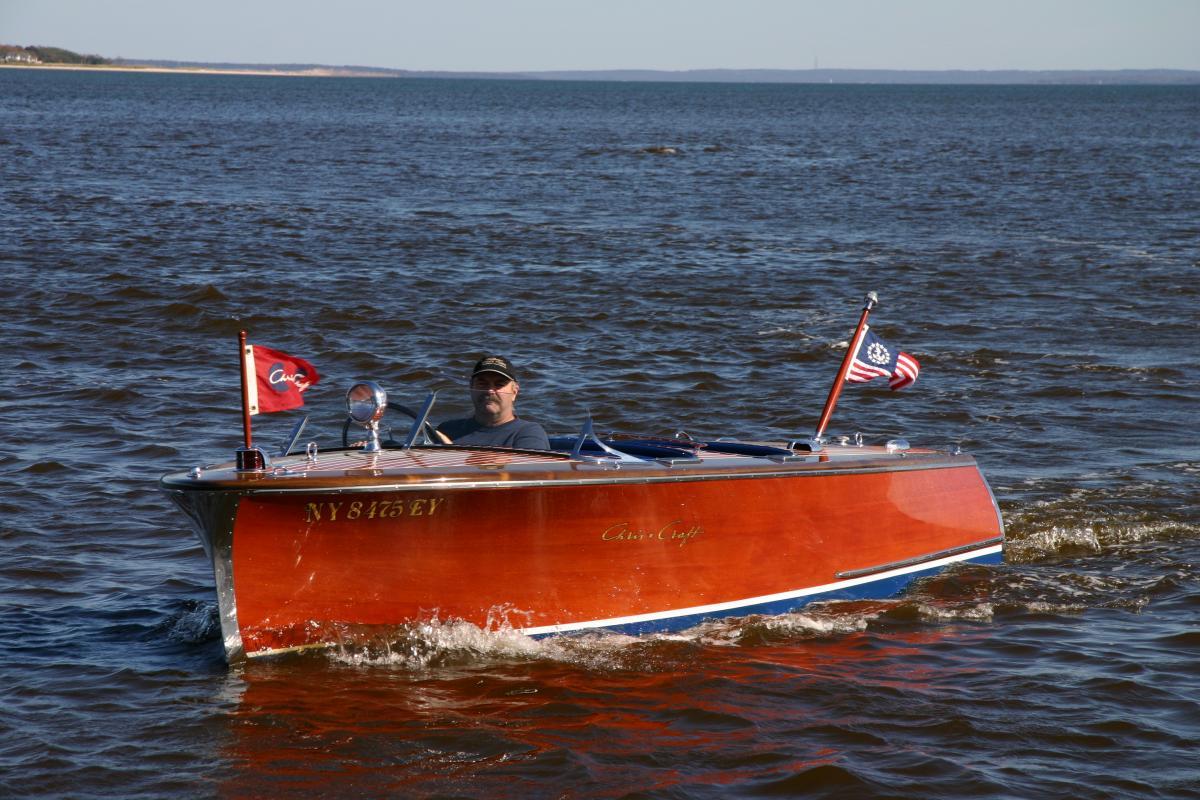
(633,447)
(741,449)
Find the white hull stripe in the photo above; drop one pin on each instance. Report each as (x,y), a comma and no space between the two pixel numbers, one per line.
(733,605)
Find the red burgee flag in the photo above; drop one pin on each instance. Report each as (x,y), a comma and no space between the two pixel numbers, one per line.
(275,381)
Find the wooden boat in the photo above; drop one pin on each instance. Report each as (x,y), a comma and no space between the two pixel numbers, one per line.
(555,542)
(630,534)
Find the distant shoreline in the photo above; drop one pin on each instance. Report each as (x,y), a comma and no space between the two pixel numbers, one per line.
(1127,77)
(197,70)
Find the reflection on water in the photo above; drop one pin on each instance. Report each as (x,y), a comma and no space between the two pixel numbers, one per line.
(487,723)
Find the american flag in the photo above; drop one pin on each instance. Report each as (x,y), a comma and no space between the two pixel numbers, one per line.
(877,359)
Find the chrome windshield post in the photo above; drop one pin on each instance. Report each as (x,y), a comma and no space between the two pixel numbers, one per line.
(294,436)
(418,426)
(588,434)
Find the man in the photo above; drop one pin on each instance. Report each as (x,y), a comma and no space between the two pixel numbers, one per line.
(494,391)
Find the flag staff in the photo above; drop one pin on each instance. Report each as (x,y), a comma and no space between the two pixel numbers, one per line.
(249,457)
(245,387)
(869,302)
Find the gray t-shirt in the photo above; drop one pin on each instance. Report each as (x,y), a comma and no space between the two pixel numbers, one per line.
(516,433)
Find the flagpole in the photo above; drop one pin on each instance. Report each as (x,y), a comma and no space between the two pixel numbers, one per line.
(249,457)
(245,388)
(870,301)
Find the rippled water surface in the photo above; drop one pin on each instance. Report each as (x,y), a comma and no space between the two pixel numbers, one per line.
(1035,247)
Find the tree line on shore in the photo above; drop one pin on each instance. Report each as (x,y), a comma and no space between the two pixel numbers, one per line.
(36,54)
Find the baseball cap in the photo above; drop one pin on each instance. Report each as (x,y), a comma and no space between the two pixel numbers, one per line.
(497,364)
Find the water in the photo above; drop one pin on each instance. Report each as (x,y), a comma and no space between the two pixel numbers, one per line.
(1034,247)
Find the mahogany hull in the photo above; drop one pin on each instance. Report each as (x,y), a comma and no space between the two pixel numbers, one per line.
(554,546)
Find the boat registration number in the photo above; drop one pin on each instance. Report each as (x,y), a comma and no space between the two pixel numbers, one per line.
(350,510)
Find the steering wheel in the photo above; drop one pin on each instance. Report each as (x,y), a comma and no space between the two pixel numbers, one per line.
(428,428)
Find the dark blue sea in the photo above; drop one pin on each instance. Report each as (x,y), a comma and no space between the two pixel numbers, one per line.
(662,257)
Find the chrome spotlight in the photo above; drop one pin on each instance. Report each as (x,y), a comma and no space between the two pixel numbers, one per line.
(365,402)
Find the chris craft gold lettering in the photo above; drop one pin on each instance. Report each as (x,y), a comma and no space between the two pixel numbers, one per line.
(350,510)
(676,531)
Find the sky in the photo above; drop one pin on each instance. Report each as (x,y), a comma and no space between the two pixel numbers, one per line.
(536,35)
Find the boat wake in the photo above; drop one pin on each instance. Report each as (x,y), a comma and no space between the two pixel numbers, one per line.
(195,623)
(1090,522)
(959,595)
